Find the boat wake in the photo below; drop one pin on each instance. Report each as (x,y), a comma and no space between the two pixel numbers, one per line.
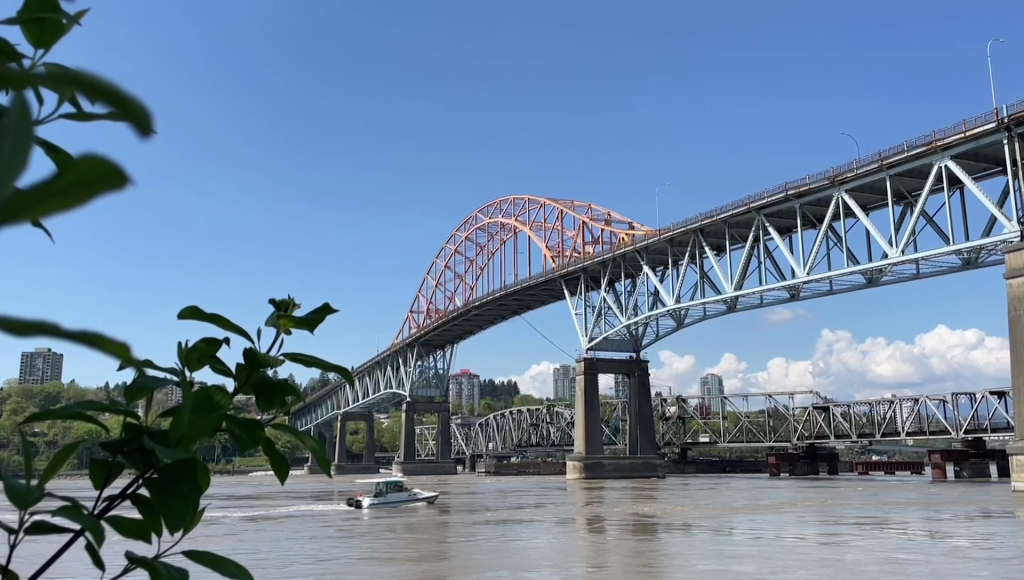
(324,507)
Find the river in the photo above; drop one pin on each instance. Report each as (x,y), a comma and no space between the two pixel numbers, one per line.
(707,527)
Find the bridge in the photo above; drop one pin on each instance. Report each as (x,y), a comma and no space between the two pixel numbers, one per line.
(777,419)
(941,203)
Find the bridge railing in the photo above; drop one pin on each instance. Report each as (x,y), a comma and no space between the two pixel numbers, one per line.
(865,162)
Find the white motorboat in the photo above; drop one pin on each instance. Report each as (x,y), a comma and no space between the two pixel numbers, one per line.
(390,492)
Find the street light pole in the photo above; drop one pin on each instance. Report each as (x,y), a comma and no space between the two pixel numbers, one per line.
(858,148)
(991,79)
(657,203)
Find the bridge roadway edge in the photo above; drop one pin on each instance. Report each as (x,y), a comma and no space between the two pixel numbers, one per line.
(1014,276)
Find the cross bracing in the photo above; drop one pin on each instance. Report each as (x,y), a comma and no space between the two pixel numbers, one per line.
(942,203)
(746,420)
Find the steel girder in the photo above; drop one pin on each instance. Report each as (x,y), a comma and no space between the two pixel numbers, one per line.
(918,209)
(406,373)
(748,420)
(912,217)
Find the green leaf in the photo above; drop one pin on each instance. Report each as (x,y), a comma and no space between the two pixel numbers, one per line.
(26,328)
(42,23)
(7,574)
(197,355)
(309,321)
(89,116)
(310,361)
(131,528)
(57,462)
(7,528)
(26,456)
(156,569)
(77,411)
(85,179)
(46,528)
(64,414)
(60,158)
(195,522)
(94,555)
(61,79)
(278,462)
(274,394)
(148,511)
(8,53)
(148,365)
(22,496)
(226,567)
(87,521)
(176,490)
(259,360)
(142,385)
(103,472)
(15,143)
(196,313)
(219,367)
(316,448)
(208,407)
(166,453)
(76,18)
(245,432)
(39,226)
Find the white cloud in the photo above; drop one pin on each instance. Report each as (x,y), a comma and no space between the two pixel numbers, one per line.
(535,381)
(938,361)
(782,314)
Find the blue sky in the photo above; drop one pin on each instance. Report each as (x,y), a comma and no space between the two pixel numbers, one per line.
(328,151)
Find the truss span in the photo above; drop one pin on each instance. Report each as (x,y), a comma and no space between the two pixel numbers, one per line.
(941,203)
(746,420)
(507,241)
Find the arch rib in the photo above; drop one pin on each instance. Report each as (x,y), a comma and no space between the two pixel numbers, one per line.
(507,240)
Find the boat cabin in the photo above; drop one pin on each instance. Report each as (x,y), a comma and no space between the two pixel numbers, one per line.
(384,487)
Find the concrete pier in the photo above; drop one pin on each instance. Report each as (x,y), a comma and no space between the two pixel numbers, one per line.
(588,460)
(406,462)
(1014,276)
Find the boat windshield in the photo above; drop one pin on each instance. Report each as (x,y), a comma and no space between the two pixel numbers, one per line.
(383,488)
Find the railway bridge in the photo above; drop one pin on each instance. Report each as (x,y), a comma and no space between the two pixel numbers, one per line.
(940,203)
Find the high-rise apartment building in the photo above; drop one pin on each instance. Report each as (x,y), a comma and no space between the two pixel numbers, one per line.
(464,387)
(40,366)
(710,386)
(563,383)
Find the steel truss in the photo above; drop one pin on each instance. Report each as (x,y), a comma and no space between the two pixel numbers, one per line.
(923,208)
(745,420)
(406,373)
(910,218)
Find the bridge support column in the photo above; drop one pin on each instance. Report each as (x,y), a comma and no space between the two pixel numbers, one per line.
(341,464)
(406,462)
(443,436)
(370,449)
(1014,256)
(588,460)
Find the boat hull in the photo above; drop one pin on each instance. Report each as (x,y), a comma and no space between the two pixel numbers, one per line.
(427,498)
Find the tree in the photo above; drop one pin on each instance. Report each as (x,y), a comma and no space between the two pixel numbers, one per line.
(526,401)
(8,384)
(167,477)
(456,408)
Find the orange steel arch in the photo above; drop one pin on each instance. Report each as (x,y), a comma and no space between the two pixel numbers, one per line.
(495,247)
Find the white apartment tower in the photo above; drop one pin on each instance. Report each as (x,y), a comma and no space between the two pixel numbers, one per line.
(563,383)
(710,386)
(464,387)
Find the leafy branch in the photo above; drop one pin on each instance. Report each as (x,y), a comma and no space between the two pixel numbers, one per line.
(158,451)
